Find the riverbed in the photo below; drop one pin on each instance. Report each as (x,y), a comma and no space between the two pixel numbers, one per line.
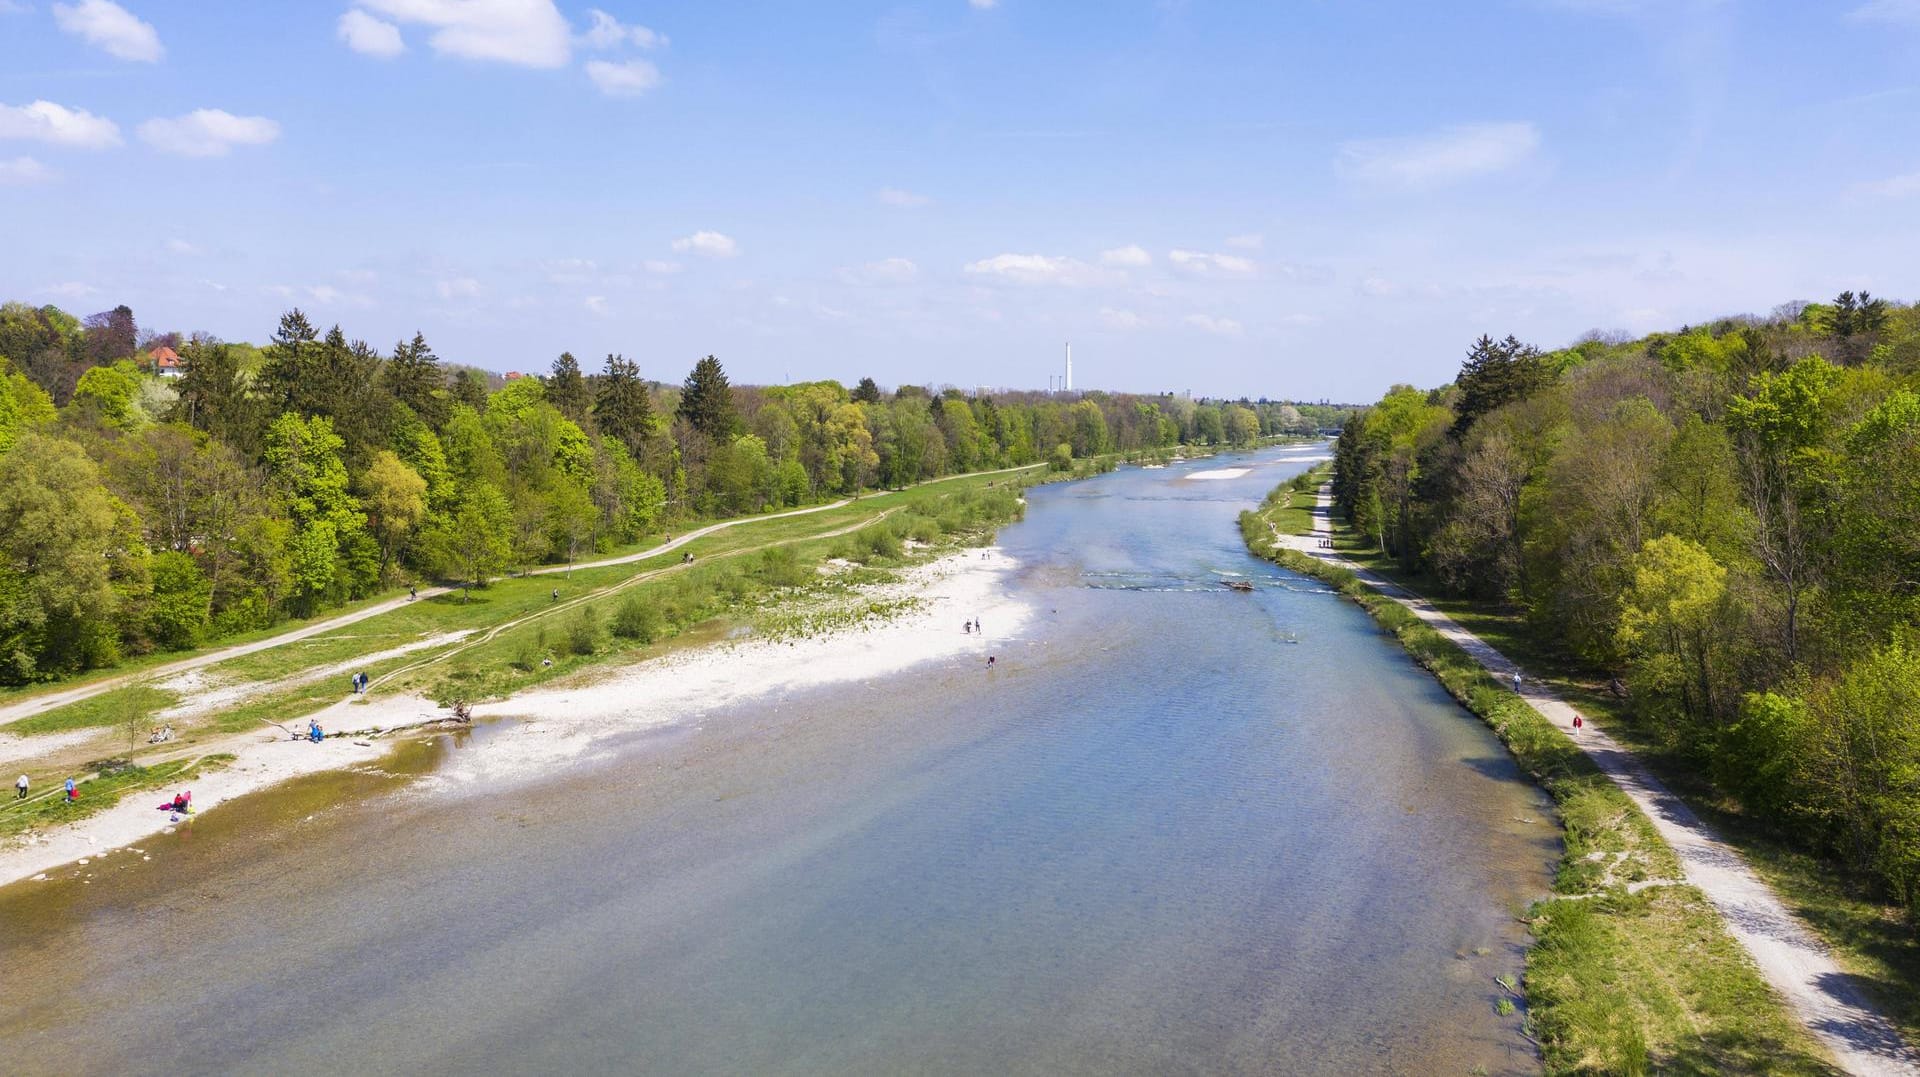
(1175,828)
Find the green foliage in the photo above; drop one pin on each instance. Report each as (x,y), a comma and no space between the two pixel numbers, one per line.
(638,619)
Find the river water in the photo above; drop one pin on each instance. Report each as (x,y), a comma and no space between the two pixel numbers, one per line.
(1179,829)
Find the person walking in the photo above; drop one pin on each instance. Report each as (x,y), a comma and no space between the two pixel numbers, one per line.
(1578,723)
(73,791)
(412,593)
(1516,680)
(20,788)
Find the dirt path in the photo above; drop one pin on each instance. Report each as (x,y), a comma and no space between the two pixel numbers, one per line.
(26,708)
(1823,996)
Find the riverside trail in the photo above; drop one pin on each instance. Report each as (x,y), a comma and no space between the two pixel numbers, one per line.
(1822,995)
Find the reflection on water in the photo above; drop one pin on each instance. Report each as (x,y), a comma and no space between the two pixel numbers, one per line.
(1178,829)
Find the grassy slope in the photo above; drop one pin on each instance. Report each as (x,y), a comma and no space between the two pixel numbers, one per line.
(1616,982)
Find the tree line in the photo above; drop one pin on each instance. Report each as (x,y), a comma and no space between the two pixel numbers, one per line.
(148,512)
(1724,519)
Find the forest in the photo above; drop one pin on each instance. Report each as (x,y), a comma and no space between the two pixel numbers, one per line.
(160,491)
(1723,522)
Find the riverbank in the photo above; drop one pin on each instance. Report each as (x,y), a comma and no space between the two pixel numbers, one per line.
(1632,969)
(552,724)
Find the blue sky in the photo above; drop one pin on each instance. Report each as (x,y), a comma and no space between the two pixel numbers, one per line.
(1292,199)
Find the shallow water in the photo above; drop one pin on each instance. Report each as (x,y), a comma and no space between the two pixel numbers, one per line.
(1177,829)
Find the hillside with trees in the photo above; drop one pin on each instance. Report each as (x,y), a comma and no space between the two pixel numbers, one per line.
(1723,523)
(156,503)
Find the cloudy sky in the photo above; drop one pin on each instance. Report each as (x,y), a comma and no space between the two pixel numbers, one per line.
(1292,198)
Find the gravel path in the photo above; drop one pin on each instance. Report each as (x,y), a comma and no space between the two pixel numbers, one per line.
(1825,998)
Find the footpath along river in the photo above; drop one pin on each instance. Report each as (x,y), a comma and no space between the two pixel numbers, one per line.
(1177,828)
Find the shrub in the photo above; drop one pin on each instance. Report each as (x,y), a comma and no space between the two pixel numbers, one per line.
(583,635)
(637,619)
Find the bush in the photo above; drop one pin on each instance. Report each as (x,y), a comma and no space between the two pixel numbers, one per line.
(876,542)
(781,567)
(583,635)
(1061,459)
(637,619)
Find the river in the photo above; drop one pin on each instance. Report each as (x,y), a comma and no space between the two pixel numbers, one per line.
(1178,829)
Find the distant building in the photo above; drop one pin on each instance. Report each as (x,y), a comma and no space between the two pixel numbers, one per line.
(166,362)
(514,375)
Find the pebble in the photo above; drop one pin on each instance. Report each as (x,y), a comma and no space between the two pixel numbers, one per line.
(84,863)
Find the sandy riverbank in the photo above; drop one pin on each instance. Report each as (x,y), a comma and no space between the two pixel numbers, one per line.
(551,727)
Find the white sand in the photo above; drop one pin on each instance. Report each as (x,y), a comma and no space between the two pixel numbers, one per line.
(1219,473)
(564,725)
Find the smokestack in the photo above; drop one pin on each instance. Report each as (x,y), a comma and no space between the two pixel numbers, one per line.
(1069,381)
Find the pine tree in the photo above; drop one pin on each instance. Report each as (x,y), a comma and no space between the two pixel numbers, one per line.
(706,402)
(567,388)
(288,365)
(1495,373)
(867,392)
(415,379)
(623,409)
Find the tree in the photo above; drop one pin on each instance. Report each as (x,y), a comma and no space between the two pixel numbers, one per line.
(289,371)
(56,595)
(213,394)
(623,409)
(1493,374)
(111,336)
(1242,426)
(473,546)
(178,614)
(567,389)
(107,394)
(867,392)
(706,402)
(395,497)
(305,471)
(1667,622)
(23,406)
(414,377)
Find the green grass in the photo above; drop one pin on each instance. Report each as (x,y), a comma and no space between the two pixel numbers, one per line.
(135,702)
(1615,983)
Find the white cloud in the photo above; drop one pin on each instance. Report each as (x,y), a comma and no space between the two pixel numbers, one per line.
(1206,262)
(711,244)
(983,5)
(530,33)
(1041,269)
(459,288)
(1904,12)
(369,36)
(1121,319)
(1207,323)
(21,171)
(72,289)
(660,267)
(884,271)
(1129,257)
(630,78)
(597,304)
(893,196)
(1378,287)
(207,132)
(1252,241)
(608,32)
(1893,187)
(181,246)
(1454,153)
(44,121)
(111,28)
